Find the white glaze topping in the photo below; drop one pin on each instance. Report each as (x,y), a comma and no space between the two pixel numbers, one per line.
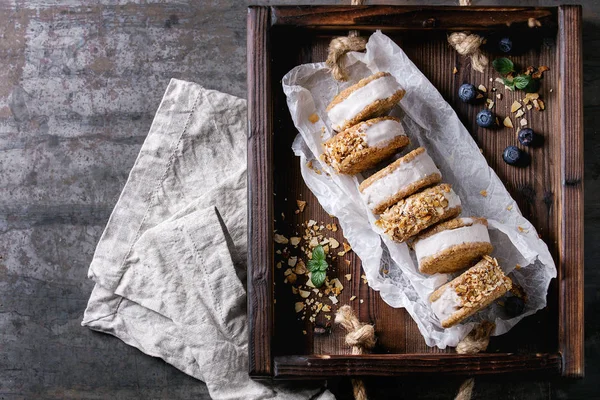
(447,304)
(378,89)
(405,174)
(451,237)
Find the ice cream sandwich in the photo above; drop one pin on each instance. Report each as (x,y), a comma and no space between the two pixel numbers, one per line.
(371,97)
(470,292)
(452,245)
(400,179)
(419,211)
(364,145)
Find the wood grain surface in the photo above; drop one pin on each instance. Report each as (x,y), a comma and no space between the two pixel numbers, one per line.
(571,260)
(539,189)
(260,189)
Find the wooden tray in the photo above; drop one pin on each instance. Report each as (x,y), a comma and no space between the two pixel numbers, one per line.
(549,192)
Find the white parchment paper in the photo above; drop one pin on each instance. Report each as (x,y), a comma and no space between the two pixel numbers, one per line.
(430,122)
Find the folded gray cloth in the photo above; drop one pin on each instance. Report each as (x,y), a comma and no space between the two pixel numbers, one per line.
(170,266)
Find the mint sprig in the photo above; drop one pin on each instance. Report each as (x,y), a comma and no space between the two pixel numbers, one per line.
(317,265)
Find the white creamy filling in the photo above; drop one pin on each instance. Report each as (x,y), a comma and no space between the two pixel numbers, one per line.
(407,173)
(453,199)
(451,237)
(379,89)
(446,305)
(382,132)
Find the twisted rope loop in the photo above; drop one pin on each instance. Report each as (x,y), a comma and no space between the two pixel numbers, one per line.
(476,341)
(339,46)
(361,337)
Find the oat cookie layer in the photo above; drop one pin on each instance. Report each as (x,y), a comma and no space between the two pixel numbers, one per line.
(469,293)
(421,210)
(371,97)
(400,179)
(364,145)
(452,245)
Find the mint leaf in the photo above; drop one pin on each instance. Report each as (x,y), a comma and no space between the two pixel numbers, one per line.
(318,278)
(503,65)
(318,261)
(318,253)
(521,81)
(509,83)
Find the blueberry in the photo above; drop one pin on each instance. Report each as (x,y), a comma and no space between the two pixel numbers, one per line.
(514,306)
(527,137)
(467,92)
(512,155)
(486,118)
(505,45)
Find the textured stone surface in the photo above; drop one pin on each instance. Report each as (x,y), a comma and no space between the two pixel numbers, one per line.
(79,84)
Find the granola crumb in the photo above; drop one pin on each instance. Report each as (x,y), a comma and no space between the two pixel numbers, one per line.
(454,70)
(361,301)
(517,267)
(508,122)
(483,193)
(301,204)
(313,118)
(352,298)
(509,208)
(280,239)
(348,277)
(482,88)
(515,106)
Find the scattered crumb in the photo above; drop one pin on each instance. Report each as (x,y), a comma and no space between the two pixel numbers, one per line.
(278,265)
(347,262)
(364,278)
(479,96)
(313,118)
(301,204)
(347,247)
(454,70)
(334,228)
(352,298)
(334,244)
(299,306)
(304,293)
(515,106)
(523,122)
(517,267)
(529,106)
(310,223)
(519,113)
(280,239)
(333,299)
(533,23)
(292,261)
(499,96)
(361,301)
(509,208)
(294,240)
(508,123)
(483,193)
(490,103)
(482,88)
(348,277)
(303,332)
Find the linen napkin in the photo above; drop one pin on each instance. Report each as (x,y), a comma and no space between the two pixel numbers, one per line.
(170,265)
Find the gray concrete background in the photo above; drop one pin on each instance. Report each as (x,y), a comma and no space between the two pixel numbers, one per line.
(79,84)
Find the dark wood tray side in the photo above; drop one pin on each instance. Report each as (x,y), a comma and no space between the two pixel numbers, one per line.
(570,265)
(260,190)
(557,178)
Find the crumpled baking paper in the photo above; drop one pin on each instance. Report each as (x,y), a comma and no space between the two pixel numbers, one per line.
(430,122)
